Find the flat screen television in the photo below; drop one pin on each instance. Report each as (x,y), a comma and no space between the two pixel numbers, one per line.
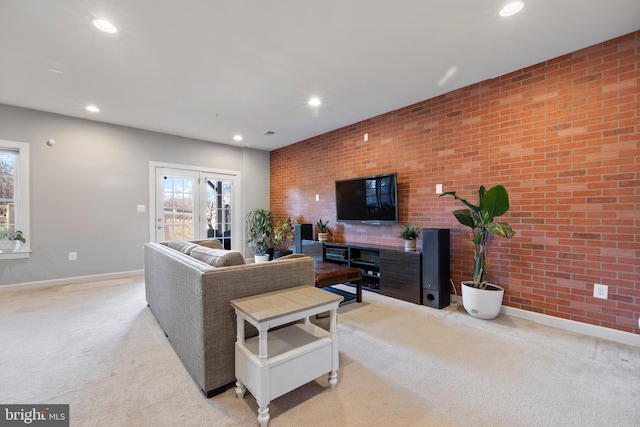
(368,200)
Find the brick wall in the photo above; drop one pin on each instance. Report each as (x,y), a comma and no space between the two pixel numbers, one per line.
(562,137)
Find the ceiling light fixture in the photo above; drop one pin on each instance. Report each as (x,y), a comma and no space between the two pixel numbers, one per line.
(92,109)
(237,137)
(105,26)
(314,101)
(511,8)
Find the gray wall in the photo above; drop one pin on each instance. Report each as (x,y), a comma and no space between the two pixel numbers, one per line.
(85,189)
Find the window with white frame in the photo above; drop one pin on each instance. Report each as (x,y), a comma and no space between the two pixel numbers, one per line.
(14,193)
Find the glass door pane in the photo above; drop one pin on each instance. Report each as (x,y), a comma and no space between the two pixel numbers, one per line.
(218,209)
(175,213)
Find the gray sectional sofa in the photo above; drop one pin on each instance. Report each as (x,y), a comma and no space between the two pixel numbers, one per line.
(189,297)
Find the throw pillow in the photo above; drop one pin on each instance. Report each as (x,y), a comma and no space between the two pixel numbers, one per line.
(182,246)
(217,257)
(211,243)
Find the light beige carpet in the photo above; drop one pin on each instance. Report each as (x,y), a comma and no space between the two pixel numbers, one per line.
(97,347)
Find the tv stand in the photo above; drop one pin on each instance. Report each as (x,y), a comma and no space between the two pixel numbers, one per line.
(387,271)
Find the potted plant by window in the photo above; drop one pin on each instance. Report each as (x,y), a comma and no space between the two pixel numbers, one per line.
(323,231)
(409,234)
(282,237)
(259,225)
(9,239)
(480,298)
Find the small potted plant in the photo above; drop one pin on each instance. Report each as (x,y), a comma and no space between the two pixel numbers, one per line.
(323,231)
(9,239)
(259,224)
(480,298)
(410,234)
(283,233)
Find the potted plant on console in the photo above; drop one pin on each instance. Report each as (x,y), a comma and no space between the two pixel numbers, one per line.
(9,239)
(480,298)
(409,234)
(323,231)
(259,225)
(282,237)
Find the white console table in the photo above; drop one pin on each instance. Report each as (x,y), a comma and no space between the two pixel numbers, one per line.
(276,362)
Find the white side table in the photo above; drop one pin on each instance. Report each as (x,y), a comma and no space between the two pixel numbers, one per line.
(275,363)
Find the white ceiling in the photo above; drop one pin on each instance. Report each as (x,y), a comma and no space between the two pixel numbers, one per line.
(211,69)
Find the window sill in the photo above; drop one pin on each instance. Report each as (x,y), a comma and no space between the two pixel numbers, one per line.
(15,255)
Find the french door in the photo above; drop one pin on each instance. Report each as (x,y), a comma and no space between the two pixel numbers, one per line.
(194,204)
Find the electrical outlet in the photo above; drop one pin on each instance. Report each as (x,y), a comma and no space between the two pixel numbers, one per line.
(600,291)
(73,256)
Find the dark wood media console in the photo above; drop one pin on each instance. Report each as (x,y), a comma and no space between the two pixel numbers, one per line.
(388,271)
(420,277)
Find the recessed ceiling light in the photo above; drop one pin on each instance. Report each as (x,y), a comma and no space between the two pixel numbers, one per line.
(314,101)
(92,108)
(237,137)
(105,26)
(511,8)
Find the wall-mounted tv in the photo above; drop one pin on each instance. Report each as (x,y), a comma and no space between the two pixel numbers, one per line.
(368,200)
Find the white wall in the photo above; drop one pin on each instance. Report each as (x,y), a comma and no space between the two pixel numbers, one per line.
(85,189)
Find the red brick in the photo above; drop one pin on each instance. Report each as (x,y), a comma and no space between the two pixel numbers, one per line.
(561,135)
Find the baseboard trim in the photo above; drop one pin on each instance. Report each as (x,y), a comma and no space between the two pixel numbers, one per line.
(73,280)
(573,326)
(568,325)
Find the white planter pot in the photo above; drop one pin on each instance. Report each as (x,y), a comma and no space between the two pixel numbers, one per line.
(409,245)
(259,259)
(323,237)
(482,303)
(8,245)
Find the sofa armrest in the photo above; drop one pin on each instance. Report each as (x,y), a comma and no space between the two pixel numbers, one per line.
(221,285)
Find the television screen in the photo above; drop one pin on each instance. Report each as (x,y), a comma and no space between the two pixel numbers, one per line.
(368,200)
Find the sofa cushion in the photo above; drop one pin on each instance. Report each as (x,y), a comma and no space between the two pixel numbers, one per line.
(182,246)
(211,243)
(217,257)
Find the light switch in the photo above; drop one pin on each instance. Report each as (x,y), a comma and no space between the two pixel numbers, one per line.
(438,188)
(141,208)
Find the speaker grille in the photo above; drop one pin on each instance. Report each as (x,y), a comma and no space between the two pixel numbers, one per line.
(435,267)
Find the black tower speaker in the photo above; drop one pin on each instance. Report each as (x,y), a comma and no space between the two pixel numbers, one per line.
(435,267)
(301,232)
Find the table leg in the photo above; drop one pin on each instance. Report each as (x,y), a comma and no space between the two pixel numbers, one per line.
(333,327)
(240,389)
(359,291)
(263,416)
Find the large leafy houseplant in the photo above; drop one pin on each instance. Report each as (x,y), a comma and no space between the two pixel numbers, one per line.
(259,225)
(480,218)
(283,235)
